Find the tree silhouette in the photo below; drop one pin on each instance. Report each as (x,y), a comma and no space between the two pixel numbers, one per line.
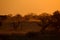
(56,15)
(53,20)
(15,21)
(46,21)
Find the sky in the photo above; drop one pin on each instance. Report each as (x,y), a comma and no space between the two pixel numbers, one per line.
(24,7)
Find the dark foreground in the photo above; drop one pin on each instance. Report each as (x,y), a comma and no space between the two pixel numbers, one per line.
(30,36)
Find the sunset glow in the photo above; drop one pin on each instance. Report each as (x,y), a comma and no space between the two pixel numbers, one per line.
(24,7)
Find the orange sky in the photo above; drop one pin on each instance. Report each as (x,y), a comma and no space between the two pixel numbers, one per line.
(27,6)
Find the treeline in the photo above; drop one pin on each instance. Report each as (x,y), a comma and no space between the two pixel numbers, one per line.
(48,23)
